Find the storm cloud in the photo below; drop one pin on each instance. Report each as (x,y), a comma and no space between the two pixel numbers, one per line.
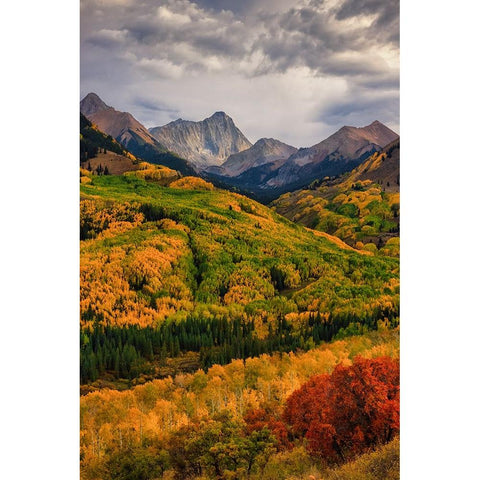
(293,70)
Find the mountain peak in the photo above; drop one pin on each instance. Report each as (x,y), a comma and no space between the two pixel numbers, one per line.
(208,142)
(92,103)
(219,116)
(264,140)
(265,150)
(375,123)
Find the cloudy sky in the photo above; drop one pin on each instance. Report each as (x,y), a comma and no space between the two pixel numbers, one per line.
(296,70)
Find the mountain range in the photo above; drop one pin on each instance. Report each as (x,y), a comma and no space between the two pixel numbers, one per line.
(341,152)
(129,132)
(216,149)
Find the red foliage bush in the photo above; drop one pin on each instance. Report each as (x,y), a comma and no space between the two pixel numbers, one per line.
(349,411)
(260,418)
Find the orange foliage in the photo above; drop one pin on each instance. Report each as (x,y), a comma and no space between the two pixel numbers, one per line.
(112,420)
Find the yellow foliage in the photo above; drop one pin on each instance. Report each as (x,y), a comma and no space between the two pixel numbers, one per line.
(113,282)
(111,419)
(156,173)
(393,241)
(192,183)
(370,247)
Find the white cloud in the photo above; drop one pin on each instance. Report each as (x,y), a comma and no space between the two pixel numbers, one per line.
(172,18)
(160,67)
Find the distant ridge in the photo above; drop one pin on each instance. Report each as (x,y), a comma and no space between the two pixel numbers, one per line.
(339,153)
(263,151)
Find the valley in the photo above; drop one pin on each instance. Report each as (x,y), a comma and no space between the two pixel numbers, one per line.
(208,320)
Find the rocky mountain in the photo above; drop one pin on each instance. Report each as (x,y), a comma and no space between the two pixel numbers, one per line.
(339,153)
(92,104)
(120,125)
(348,142)
(265,150)
(128,131)
(205,143)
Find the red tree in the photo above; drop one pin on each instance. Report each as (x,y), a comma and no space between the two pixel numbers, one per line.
(349,411)
(261,418)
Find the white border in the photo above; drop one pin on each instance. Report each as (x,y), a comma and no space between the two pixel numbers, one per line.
(39,255)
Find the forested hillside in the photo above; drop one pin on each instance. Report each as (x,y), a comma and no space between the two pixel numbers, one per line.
(244,420)
(361,207)
(93,142)
(212,327)
(206,276)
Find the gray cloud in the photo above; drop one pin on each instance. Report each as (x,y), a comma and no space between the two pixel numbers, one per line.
(246,7)
(353,109)
(154,105)
(269,61)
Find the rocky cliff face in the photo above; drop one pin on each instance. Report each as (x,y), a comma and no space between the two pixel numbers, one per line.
(264,151)
(205,143)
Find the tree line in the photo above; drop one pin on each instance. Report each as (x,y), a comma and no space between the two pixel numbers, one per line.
(129,351)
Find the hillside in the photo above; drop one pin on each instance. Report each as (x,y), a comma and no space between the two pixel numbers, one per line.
(361,207)
(93,142)
(206,259)
(208,142)
(382,168)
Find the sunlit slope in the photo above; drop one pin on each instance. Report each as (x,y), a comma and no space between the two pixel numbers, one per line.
(361,207)
(151,253)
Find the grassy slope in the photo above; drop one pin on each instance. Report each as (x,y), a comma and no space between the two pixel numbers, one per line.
(381,464)
(212,252)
